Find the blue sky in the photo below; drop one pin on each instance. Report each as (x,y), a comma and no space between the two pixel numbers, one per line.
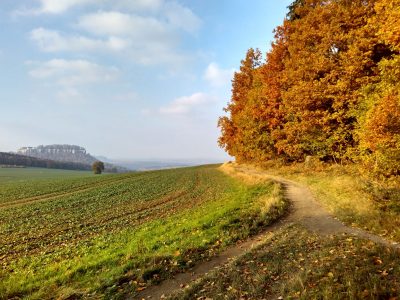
(131,79)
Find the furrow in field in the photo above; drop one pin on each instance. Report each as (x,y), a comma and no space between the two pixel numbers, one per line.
(36,189)
(140,214)
(56,195)
(101,232)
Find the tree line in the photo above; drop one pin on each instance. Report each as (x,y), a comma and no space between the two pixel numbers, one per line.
(10,159)
(328,87)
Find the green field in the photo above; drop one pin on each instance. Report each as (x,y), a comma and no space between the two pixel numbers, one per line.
(22,174)
(110,235)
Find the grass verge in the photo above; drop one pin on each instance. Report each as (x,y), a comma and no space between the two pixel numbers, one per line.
(353,197)
(294,263)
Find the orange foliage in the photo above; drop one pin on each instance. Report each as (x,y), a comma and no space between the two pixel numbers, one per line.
(309,97)
(330,59)
(387,22)
(379,122)
(234,127)
(383,125)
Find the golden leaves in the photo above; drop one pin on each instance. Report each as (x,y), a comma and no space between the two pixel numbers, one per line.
(306,98)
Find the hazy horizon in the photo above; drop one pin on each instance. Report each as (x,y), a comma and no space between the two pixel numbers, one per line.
(144,159)
(141,80)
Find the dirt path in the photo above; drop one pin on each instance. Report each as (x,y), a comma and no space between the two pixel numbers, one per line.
(309,213)
(305,210)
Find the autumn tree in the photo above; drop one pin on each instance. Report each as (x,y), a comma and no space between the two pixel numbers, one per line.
(294,10)
(329,61)
(267,110)
(98,167)
(379,116)
(329,88)
(235,127)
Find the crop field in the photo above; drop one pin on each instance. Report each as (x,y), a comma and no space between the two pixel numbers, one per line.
(111,235)
(22,174)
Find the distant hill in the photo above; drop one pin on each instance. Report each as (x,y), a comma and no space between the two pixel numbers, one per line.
(139,165)
(64,153)
(156,164)
(11,159)
(71,155)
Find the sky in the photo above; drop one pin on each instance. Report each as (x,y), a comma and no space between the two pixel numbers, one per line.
(126,79)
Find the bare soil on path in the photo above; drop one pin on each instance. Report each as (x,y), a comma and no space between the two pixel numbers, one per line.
(305,210)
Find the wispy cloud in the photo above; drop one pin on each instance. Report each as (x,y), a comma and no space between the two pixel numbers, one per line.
(62,6)
(171,11)
(116,23)
(188,104)
(161,27)
(72,72)
(218,77)
(52,7)
(182,17)
(70,76)
(148,40)
(54,41)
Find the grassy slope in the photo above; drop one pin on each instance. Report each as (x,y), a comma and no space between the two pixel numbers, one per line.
(297,264)
(127,232)
(352,197)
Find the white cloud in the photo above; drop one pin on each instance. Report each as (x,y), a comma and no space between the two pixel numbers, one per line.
(149,40)
(53,41)
(182,17)
(69,77)
(218,77)
(138,5)
(53,7)
(150,51)
(72,72)
(68,94)
(140,29)
(144,40)
(187,104)
(149,32)
(59,6)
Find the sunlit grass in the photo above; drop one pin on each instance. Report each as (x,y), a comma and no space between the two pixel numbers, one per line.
(351,196)
(294,263)
(215,211)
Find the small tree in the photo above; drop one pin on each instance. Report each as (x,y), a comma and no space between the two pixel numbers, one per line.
(98,167)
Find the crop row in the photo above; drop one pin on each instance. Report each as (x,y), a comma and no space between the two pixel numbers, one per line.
(107,239)
(108,208)
(35,188)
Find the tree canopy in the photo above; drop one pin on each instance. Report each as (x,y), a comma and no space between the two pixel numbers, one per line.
(98,167)
(329,87)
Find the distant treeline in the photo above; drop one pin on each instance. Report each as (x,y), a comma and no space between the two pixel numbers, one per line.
(328,88)
(27,161)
